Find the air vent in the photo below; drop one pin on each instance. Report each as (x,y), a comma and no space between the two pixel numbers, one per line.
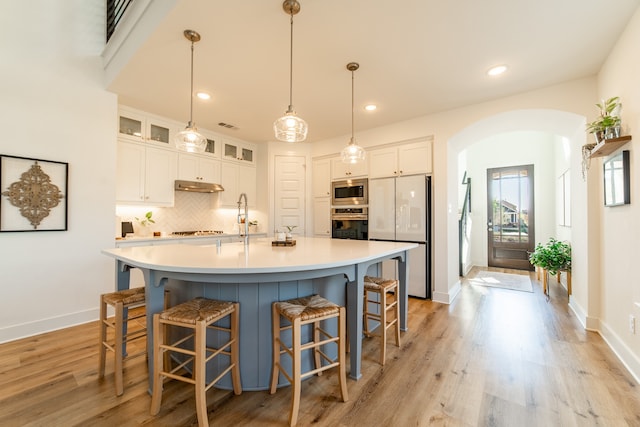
(227,125)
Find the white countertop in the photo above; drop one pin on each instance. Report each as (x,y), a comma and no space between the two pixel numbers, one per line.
(258,257)
(137,239)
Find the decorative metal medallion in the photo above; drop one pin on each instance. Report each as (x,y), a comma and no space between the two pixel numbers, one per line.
(34,195)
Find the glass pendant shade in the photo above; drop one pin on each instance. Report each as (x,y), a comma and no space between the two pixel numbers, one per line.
(290,127)
(190,140)
(352,153)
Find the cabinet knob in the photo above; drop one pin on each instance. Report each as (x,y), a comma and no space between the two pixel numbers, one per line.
(395,172)
(401,172)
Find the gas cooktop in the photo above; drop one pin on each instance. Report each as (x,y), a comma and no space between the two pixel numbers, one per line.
(197,233)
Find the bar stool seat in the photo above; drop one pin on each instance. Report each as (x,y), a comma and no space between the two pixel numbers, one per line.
(198,315)
(386,302)
(299,312)
(121,301)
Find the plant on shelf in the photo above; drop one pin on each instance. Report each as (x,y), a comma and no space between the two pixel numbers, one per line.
(553,257)
(607,125)
(146,220)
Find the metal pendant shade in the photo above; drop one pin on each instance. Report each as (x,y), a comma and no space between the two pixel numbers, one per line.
(352,153)
(290,127)
(190,139)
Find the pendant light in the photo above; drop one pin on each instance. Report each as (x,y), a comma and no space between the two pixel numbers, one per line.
(190,139)
(352,153)
(290,127)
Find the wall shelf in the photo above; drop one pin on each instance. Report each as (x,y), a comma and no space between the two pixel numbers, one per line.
(608,146)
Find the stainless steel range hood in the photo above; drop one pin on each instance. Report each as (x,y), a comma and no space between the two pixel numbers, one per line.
(198,187)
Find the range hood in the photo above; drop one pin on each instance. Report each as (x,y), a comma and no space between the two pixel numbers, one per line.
(198,187)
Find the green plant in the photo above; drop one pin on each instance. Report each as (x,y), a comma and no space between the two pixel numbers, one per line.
(146,220)
(290,227)
(608,115)
(552,257)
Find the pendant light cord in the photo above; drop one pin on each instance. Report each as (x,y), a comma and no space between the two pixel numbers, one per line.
(352,103)
(191,93)
(291,66)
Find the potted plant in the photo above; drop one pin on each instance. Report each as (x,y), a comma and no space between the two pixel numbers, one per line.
(290,228)
(145,222)
(552,257)
(607,125)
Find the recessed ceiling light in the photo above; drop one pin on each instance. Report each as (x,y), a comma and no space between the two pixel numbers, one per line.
(495,71)
(203,95)
(370,107)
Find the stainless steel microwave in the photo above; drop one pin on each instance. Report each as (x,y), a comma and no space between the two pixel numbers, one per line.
(350,192)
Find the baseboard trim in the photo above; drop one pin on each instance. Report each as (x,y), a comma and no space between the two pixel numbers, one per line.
(620,349)
(447,297)
(41,326)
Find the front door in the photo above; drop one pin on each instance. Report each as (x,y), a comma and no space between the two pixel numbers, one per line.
(510,217)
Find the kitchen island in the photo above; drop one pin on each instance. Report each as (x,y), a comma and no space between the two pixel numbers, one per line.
(257,274)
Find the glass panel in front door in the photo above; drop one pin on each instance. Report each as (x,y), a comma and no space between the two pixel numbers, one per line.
(510,216)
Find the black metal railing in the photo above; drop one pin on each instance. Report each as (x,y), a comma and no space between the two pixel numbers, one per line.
(463,223)
(115,12)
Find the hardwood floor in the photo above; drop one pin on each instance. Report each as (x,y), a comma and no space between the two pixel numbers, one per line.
(494,357)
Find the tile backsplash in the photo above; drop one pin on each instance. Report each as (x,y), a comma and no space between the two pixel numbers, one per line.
(191,211)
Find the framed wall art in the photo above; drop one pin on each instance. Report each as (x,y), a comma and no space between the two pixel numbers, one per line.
(33,194)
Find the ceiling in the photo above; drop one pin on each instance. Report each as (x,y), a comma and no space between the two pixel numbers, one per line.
(416,57)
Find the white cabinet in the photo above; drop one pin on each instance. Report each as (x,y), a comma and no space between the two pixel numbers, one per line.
(407,159)
(340,170)
(193,167)
(145,175)
(321,177)
(237,179)
(322,217)
(137,126)
(239,152)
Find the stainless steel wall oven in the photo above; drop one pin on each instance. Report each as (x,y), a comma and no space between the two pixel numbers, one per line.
(350,223)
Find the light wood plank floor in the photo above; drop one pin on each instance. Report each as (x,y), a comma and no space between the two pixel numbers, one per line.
(492,358)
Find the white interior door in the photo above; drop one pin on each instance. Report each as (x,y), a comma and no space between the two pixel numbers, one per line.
(289,193)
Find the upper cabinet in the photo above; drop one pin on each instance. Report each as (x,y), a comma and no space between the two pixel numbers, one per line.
(201,168)
(407,159)
(136,126)
(321,170)
(241,152)
(145,175)
(237,179)
(340,170)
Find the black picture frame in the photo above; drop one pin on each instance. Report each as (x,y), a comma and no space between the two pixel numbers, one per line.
(615,169)
(33,194)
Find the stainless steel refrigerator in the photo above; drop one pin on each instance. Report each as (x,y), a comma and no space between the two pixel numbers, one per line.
(400,210)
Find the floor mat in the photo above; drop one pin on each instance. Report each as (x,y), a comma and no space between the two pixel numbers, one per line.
(516,282)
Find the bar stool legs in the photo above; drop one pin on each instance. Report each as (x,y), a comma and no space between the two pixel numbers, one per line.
(121,300)
(198,315)
(300,312)
(387,303)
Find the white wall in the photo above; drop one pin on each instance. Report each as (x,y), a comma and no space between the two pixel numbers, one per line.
(619,229)
(53,107)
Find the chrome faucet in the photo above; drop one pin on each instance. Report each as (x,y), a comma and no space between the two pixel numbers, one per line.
(246,217)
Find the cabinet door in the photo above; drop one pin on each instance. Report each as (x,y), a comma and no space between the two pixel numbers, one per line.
(383,162)
(131,125)
(209,170)
(247,183)
(187,167)
(415,158)
(339,170)
(322,217)
(130,172)
(229,180)
(321,181)
(358,169)
(160,176)
(159,131)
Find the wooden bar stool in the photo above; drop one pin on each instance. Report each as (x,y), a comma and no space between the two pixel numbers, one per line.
(386,301)
(121,301)
(299,312)
(198,315)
